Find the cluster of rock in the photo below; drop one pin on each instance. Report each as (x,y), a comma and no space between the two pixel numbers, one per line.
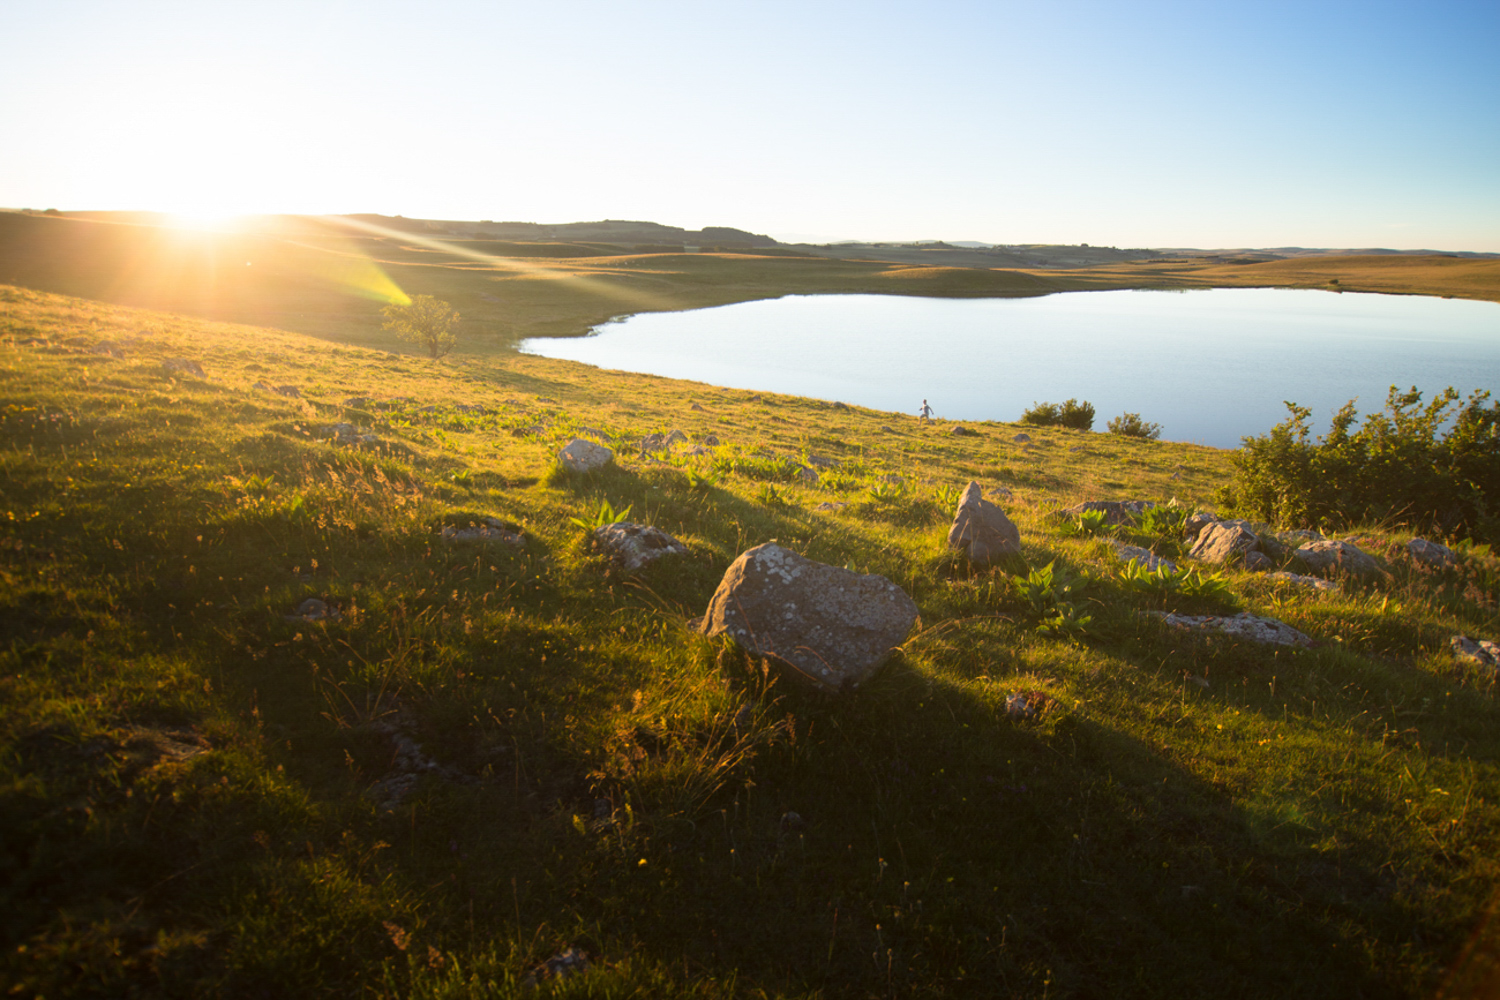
(1480,651)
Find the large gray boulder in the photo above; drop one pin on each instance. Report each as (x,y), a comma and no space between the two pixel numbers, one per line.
(580,456)
(830,627)
(1330,558)
(1224,541)
(981,529)
(632,547)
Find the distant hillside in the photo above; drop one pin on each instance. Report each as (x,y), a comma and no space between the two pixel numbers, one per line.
(621,232)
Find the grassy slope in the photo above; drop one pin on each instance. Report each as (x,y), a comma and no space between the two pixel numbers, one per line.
(182,807)
(307,276)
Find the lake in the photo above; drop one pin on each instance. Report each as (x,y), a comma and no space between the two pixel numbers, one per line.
(1210,366)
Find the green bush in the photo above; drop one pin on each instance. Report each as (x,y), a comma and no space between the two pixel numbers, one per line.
(1131,425)
(1401,467)
(1070,414)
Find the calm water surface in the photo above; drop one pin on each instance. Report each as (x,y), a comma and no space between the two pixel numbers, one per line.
(1210,366)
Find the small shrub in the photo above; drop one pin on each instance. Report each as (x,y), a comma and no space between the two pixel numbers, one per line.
(1397,468)
(1079,416)
(1131,425)
(1089,524)
(947,497)
(606,514)
(1163,520)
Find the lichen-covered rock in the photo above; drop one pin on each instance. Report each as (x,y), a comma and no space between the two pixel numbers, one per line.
(1223,541)
(1431,554)
(1316,582)
(1240,626)
(632,547)
(1329,558)
(580,456)
(830,627)
(1115,511)
(981,530)
(488,529)
(1147,558)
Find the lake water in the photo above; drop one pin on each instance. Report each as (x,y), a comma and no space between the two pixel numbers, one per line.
(1210,366)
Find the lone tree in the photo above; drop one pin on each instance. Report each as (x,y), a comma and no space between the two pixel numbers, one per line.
(424,320)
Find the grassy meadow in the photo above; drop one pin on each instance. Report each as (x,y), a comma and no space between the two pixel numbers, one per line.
(488,755)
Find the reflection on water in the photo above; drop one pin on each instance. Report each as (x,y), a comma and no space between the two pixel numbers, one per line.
(1210,366)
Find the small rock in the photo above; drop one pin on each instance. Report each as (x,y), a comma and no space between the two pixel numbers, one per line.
(653,442)
(981,529)
(676,437)
(1025,706)
(887,430)
(358,402)
(1242,626)
(1317,583)
(1197,521)
(314,610)
(109,348)
(545,399)
(1328,558)
(841,406)
(828,506)
(1022,438)
(698,409)
(792,822)
(631,547)
(891,478)
(290,391)
(1431,554)
(830,627)
(487,529)
(580,456)
(819,462)
(559,966)
(1001,492)
(959,430)
(184,366)
(1149,559)
(711,441)
(807,475)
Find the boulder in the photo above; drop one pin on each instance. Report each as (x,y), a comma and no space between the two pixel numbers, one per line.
(1197,521)
(1431,554)
(1241,626)
(631,547)
(830,627)
(981,529)
(697,409)
(711,440)
(1258,562)
(1147,558)
(959,430)
(1329,558)
(676,437)
(1115,511)
(580,456)
(807,475)
(1222,542)
(488,529)
(1480,651)
(653,442)
(1022,438)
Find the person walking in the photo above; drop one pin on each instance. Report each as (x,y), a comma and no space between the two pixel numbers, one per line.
(925,413)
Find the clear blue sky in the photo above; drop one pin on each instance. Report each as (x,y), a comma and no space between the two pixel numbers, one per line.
(1128,124)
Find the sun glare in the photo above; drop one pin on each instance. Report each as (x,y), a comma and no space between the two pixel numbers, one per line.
(205,218)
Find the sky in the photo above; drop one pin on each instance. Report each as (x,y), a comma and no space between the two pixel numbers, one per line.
(1147,124)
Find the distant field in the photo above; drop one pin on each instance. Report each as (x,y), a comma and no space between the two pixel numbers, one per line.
(311,276)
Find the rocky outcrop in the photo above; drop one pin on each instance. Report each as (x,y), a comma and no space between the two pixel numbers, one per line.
(632,547)
(1330,558)
(1115,511)
(580,456)
(1240,626)
(830,627)
(1224,541)
(1431,554)
(981,530)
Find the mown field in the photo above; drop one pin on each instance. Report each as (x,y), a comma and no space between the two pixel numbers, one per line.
(491,755)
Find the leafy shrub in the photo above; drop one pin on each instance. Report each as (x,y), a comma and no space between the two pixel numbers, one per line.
(1049,591)
(1131,425)
(1088,524)
(1397,467)
(1070,414)
(605,515)
(1163,520)
(1134,575)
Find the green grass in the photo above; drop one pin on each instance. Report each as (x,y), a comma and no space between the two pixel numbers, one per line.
(192,785)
